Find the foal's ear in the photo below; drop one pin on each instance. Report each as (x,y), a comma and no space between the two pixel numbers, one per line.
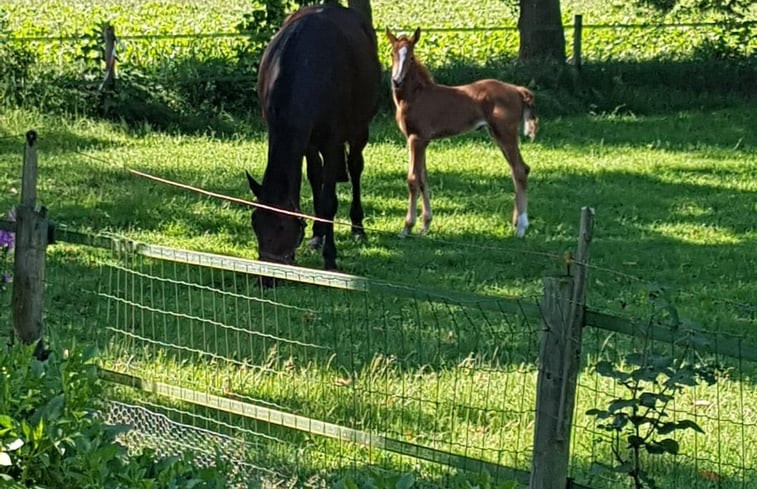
(254,186)
(416,35)
(392,38)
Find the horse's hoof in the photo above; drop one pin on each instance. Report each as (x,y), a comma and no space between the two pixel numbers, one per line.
(522,225)
(405,232)
(359,235)
(316,243)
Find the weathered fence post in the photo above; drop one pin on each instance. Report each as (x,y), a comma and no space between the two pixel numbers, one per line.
(559,359)
(109,55)
(578,21)
(29,257)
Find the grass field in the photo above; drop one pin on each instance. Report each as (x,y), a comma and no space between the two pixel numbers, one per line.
(674,190)
(674,200)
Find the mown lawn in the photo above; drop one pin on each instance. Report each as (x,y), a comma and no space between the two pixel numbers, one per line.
(675,195)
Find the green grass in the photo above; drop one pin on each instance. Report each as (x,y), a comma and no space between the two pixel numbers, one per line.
(674,199)
(675,193)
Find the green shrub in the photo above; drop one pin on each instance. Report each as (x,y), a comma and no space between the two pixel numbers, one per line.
(51,435)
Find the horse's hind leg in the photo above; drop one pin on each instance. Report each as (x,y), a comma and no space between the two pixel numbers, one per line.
(506,136)
(355,165)
(417,183)
(315,177)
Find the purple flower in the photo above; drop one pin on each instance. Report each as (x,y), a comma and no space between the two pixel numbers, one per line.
(7,278)
(7,240)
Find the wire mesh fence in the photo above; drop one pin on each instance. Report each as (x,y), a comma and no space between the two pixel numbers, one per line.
(303,382)
(338,376)
(720,455)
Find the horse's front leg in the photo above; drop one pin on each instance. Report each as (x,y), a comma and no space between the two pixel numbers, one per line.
(327,204)
(355,165)
(416,183)
(314,166)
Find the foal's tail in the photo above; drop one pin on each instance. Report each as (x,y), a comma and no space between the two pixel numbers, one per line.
(530,121)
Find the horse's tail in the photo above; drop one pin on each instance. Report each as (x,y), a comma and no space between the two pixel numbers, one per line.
(530,121)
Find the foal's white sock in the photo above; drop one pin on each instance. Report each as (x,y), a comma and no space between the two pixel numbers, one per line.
(522,224)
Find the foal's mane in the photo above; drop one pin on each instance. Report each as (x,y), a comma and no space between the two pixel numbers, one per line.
(423,74)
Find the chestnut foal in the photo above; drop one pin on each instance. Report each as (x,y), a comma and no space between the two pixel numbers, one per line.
(426,111)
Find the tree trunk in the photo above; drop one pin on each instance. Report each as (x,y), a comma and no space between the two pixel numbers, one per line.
(541,31)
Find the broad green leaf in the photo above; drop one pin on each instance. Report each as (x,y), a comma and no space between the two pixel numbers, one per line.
(670,445)
(599,413)
(667,428)
(405,482)
(605,369)
(619,421)
(646,374)
(635,441)
(655,448)
(620,404)
(688,424)
(650,399)
(661,362)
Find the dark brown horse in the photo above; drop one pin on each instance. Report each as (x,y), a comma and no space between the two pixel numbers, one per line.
(318,84)
(426,111)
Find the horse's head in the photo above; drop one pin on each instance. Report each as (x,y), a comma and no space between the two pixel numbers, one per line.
(403,56)
(278,234)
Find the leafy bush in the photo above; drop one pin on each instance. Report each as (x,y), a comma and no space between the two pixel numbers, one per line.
(639,423)
(51,435)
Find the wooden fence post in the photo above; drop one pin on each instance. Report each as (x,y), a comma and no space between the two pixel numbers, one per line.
(578,21)
(559,360)
(29,257)
(109,55)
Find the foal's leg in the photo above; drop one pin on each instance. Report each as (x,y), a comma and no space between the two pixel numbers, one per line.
(417,183)
(315,177)
(355,165)
(506,136)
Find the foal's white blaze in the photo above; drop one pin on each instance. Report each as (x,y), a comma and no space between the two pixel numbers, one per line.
(399,67)
(522,225)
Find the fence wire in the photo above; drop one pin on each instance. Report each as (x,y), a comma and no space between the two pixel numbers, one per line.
(315,378)
(722,456)
(301,381)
